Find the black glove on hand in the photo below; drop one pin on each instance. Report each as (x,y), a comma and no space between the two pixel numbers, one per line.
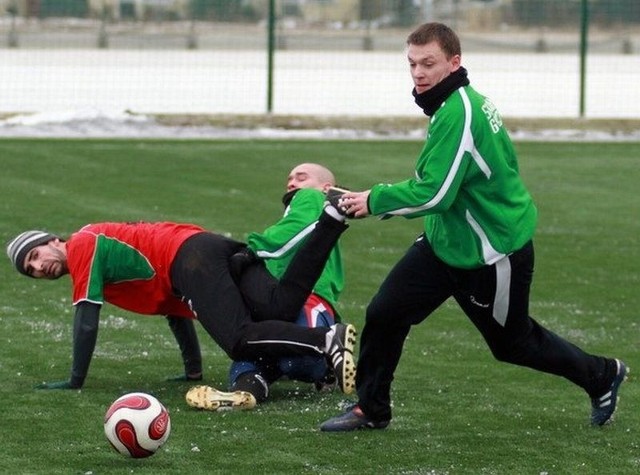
(185,377)
(56,385)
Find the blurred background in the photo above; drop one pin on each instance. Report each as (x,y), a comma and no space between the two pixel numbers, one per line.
(533,58)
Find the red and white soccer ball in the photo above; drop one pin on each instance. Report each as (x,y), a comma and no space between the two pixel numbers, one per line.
(137,425)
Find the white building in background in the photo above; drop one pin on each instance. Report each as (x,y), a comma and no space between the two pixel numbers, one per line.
(308,11)
(112,9)
(139,9)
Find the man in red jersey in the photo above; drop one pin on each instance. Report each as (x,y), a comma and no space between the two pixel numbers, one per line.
(183,270)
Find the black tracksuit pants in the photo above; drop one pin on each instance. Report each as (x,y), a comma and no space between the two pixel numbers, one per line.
(200,275)
(495,298)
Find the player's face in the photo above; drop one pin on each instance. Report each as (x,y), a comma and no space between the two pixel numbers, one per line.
(47,261)
(305,177)
(429,65)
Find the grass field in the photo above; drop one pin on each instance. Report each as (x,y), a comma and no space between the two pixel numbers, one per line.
(457,411)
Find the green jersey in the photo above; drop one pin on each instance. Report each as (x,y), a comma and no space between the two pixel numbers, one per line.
(278,243)
(467,186)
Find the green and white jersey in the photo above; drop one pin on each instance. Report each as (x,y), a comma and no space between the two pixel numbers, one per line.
(278,243)
(467,186)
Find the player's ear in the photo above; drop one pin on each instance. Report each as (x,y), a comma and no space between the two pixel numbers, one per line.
(456,62)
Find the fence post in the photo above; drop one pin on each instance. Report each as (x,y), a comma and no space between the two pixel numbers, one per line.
(192,38)
(12,39)
(271,28)
(584,38)
(103,37)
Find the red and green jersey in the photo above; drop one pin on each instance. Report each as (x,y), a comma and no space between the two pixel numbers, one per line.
(128,265)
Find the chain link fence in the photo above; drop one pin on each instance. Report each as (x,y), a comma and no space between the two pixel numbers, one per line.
(534,58)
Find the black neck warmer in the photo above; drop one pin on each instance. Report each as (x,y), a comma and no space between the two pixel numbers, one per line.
(432,99)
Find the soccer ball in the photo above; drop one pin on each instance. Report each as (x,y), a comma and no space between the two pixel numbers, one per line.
(137,425)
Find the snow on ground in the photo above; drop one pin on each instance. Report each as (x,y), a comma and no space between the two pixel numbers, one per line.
(94,123)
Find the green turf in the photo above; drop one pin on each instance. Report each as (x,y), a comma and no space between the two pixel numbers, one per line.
(457,411)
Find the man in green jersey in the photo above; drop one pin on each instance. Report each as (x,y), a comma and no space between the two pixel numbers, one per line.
(479,220)
(304,200)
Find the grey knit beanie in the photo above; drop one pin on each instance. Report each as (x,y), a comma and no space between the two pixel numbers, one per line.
(18,248)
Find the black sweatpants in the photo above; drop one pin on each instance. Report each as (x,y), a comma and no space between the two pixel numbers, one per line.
(200,274)
(269,298)
(495,298)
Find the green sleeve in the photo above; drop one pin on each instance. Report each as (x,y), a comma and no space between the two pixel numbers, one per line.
(439,172)
(278,243)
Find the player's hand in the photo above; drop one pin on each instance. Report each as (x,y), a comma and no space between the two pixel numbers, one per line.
(356,203)
(55,385)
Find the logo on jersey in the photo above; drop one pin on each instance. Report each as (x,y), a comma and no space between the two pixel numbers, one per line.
(492,115)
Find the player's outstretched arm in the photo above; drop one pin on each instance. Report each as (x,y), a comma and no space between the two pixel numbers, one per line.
(85,334)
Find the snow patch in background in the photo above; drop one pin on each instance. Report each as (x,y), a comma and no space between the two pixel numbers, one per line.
(95,123)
